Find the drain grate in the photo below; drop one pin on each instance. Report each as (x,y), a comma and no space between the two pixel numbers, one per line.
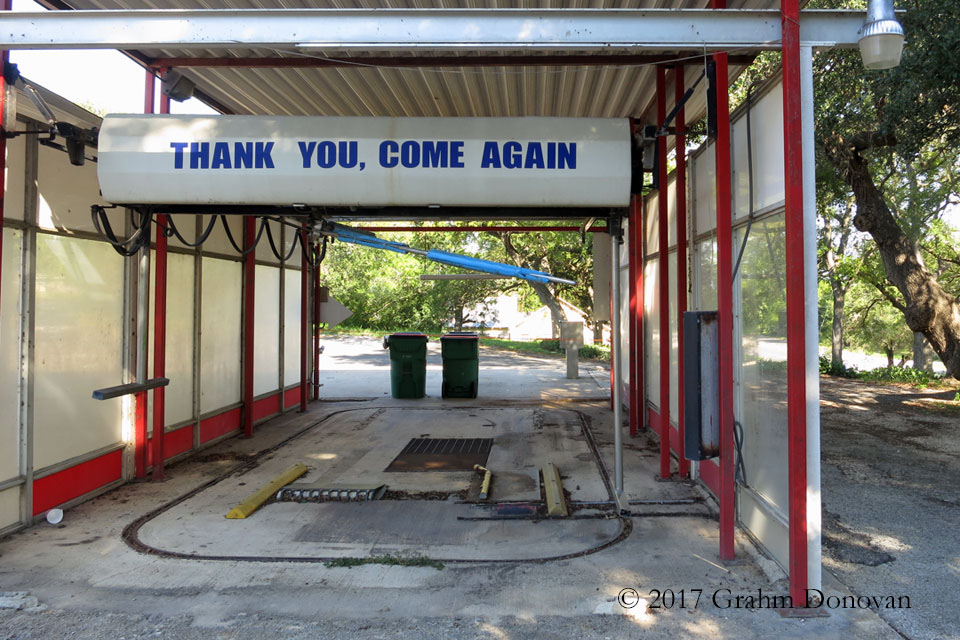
(442,454)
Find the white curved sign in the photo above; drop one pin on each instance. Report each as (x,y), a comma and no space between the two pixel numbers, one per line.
(333,161)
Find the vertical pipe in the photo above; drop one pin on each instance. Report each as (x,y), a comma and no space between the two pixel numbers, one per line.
(796,316)
(664,275)
(640,389)
(304,317)
(143,323)
(681,187)
(636,337)
(164,98)
(725,303)
(615,358)
(282,334)
(4,59)
(197,329)
(249,306)
(814,572)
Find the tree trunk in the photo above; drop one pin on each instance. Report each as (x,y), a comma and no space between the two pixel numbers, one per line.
(928,308)
(889,352)
(836,340)
(458,320)
(541,289)
(922,353)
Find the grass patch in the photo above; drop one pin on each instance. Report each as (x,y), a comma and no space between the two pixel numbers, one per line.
(889,375)
(388,559)
(548,347)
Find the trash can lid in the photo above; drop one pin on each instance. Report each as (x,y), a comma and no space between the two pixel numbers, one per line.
(461,334)
(408,334)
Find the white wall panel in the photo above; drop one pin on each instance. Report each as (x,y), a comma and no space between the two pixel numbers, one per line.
(9,356)
(651,332)
(66,193)
(767,132)
(9,507)
(178,398)
(291,322)
(13,200)
(266,359)
(705,190)
(79,319)
(220,347)
(288,240)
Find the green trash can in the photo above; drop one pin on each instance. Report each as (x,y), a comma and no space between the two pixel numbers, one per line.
(408,364)
(461,364)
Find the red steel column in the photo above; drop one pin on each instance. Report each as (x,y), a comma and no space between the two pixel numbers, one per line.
(304,318)
(796,329)
(140,399)
(681,186)
(249,305)
(160,336)
(636,323)
(725,302)
(664,275)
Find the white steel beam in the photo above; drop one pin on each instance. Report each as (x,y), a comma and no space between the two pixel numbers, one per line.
(412,30)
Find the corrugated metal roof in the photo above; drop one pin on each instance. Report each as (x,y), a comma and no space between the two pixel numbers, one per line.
(612,90)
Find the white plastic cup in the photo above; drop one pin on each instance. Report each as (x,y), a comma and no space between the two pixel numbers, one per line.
(54,516)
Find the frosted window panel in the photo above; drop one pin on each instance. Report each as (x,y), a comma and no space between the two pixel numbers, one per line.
(9,356)
(220,347)
(79,338)
(266,360)
(9,507)
(674,338)
(768,172)
(13,201)
(178,395)
(291,327)
(651,332)
(672,212)
(651,237)
(66,193)
(764,360)
(705,267)
(264,252)
(705,190)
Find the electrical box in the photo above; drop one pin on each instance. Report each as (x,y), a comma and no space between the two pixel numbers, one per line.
(571,335)
(701,385)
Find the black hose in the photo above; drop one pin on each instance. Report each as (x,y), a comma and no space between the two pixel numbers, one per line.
(133,244)
(171,230)
(746,233)
(256,240)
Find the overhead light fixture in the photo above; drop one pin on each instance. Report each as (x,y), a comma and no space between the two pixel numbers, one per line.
(177,86)
(10,76)
(881,36)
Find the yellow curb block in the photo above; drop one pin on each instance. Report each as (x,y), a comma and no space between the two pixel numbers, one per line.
(553,488)
(254,502)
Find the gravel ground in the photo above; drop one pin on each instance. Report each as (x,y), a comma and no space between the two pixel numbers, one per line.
(891,508)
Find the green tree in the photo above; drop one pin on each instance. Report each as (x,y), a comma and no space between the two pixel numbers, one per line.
(892,138)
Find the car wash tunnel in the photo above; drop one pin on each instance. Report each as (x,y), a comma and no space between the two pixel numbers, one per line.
(190,301)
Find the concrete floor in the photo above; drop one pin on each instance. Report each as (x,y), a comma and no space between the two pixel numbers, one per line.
(190,573)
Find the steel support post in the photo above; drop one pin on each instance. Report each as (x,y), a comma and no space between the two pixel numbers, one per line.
(681,187)
(727,496)
(615,358)
(304,317)
(143,322)
(636,309)
(796,317)
(160,335)
(4,59)
(664,276)
(249,307)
